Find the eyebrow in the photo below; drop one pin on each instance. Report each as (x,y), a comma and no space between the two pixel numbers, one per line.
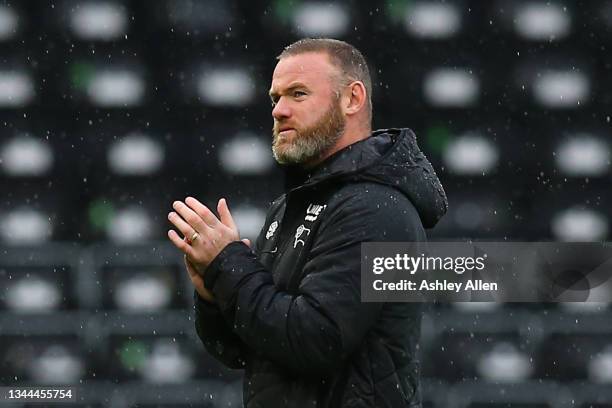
(291,86)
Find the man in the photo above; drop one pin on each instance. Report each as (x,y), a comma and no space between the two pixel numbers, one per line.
(289,312)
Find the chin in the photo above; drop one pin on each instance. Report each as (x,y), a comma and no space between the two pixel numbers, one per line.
(284,156)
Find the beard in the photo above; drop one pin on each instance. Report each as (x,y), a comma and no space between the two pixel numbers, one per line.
(310,143)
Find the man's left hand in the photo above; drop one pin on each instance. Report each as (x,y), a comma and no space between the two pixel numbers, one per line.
(205,234)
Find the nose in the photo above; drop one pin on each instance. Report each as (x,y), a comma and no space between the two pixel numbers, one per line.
(281,110)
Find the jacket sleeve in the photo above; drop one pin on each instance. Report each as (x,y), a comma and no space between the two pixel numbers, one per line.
(214,331)
(317,328)
(216,335)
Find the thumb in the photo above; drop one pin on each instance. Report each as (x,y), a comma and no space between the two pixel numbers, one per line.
(246,241)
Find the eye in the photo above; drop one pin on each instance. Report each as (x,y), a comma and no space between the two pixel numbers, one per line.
(273,101)
(299,94)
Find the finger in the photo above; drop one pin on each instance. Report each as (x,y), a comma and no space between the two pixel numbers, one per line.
(226,215)
(208,216)
(180,243)
(246,241)
(190,216)
(185,229)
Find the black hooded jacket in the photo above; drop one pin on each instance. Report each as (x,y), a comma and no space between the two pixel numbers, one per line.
(290,312)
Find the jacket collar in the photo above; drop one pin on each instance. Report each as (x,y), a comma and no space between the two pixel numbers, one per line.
(352,159)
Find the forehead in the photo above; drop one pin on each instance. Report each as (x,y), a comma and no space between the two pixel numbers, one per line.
(309,68)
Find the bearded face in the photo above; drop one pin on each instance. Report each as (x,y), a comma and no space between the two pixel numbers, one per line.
(305,144)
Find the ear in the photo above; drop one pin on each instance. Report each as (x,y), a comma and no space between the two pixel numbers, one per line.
(354,98)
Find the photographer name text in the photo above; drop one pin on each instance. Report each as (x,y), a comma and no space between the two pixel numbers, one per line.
(435,285)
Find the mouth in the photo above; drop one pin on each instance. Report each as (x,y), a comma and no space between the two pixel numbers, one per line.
(284,132)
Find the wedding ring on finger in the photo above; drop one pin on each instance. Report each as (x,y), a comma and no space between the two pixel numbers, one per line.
(194,237)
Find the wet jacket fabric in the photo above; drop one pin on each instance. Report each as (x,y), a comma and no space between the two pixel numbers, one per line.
(289,312)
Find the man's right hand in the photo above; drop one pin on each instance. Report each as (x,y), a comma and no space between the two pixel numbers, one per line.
(198,282)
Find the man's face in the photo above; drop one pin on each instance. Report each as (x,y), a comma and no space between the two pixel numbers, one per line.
(308,120)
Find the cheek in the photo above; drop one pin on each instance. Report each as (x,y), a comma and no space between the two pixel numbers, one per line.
(308,113)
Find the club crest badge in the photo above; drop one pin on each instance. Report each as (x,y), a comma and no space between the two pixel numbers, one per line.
(272,229)
(298,233)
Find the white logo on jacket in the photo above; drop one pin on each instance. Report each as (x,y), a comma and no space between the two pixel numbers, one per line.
(298,233)
(272,229)
(313,211)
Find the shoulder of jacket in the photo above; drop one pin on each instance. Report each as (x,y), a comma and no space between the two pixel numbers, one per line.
(385,212)
(365,191)
(370,197)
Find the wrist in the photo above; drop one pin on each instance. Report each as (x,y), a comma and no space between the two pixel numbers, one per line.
(205,295)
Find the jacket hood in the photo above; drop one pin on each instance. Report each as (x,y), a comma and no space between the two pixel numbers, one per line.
(390,157)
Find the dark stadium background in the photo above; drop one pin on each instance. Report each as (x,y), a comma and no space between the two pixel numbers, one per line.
(110,110)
